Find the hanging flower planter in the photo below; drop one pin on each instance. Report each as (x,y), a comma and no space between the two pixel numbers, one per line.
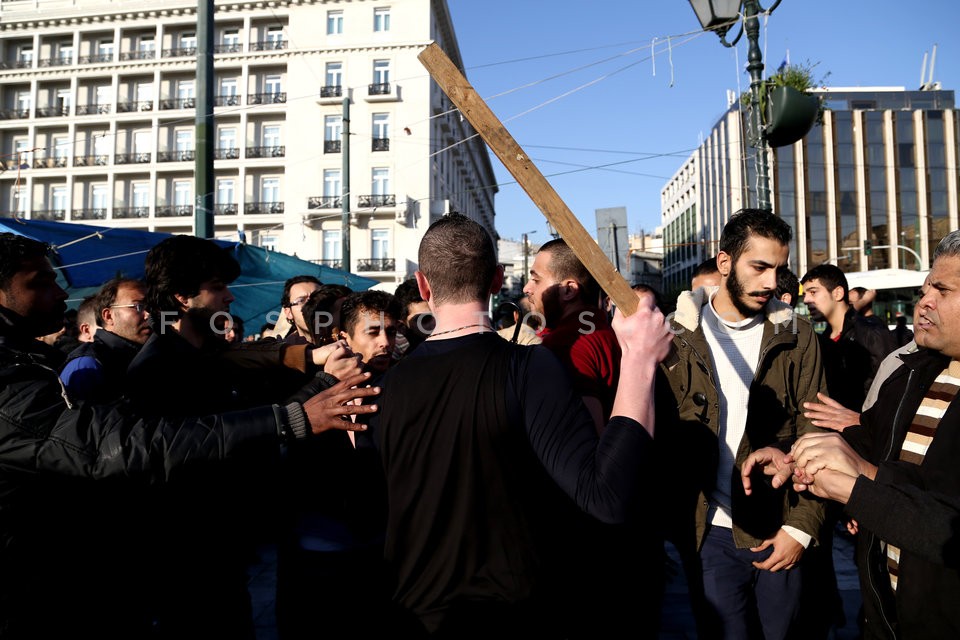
(787,109)
(790,114)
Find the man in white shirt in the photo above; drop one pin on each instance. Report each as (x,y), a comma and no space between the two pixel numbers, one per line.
(743,363)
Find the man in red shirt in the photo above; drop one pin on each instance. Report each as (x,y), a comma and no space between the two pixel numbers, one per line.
(576,330)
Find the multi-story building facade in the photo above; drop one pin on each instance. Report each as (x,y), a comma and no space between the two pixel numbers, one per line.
(872,189)
(97,123)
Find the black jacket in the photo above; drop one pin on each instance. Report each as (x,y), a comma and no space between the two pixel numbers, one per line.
(916,508)
(50,455)
(851,362)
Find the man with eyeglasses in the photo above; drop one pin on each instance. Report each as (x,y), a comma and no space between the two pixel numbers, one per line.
(94,371)
(296,291)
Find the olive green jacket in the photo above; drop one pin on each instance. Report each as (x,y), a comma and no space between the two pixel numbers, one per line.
(788,373)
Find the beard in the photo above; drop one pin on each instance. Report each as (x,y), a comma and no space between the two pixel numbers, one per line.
(552,307)
(739,296)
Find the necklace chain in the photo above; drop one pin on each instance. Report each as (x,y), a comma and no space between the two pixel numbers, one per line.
(466,326)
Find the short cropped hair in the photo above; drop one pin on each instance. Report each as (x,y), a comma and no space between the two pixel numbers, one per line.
(565,265)
(458,259)
(87,311)
(179,265)
(14,251)
(107,296)
(787,282)
(367,301)
(285,298)
(706,268)
(752,222)
(645,288)
(830,276)
(949,246)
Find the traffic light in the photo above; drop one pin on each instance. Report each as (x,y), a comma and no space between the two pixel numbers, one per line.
(867,248)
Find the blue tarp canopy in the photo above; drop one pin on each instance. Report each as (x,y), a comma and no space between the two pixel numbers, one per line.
(87,256)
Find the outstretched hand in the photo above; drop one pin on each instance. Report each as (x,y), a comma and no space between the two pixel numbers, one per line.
(332,408)
(829,414)
(773,463)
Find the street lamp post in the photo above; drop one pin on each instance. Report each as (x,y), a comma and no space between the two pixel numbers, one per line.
(526,254)
(719,16)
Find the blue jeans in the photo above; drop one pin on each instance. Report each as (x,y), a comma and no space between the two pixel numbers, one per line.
(743,601)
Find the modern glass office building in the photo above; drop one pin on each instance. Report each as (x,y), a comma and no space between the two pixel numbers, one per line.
(872,189)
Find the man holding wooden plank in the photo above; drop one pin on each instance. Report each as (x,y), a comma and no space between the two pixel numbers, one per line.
(485,445)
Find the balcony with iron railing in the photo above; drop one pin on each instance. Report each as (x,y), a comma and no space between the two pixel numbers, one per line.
(233,47)
(130,106)
(225,209)
(133,158)
(331,91)
(16,64)
(179,52)
(89,214)
(268,45)
(138,55)
(263,207)
(277,97)
(178,103)
(378,89)
(48,214)
(232,100)
(376,264)
(182,155)
(380,144)
(226,153)
(174,210)
(53,111)
(324,202)
(331,146)
(377,200)
(55,162)
(91,161)
(14,114)
(96,58)
(93,109)
(131,212)
(266,152)
(333,263)
(58,61)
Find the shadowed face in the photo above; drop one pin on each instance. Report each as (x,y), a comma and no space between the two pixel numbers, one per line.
(34,295)
(543,289)
(373,338)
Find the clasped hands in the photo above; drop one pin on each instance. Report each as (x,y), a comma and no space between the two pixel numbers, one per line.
(821,463)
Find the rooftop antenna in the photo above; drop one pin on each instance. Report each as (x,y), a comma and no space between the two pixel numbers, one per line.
(928,84)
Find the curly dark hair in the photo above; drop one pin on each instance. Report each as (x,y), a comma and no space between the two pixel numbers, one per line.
(360,301)
(179,265)
(318,311)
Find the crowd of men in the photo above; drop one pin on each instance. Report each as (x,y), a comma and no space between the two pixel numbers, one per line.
(426,471)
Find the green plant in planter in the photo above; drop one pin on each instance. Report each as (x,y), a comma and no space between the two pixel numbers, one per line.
(787,109)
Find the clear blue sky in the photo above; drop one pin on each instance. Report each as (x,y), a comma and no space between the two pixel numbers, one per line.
(632,117)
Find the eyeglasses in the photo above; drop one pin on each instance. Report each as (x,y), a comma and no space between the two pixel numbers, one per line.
(298,301)
(139,307)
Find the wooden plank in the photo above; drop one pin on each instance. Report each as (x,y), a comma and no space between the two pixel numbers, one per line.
(476,111)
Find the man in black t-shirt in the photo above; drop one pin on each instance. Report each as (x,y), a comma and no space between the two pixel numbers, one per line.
(485,444)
